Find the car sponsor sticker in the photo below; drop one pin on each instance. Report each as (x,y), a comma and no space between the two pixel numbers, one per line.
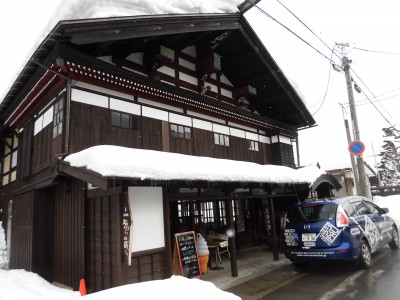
(309,244)
(312,254)
(290,237)
(372,233)
(329,233)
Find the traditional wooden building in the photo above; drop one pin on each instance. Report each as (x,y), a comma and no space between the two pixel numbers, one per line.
(200,85)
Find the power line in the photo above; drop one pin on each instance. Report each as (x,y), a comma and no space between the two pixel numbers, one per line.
(329,59)
(294,15)
(327,86)
(373,102)
(288,29)
(366,102)
(374,51)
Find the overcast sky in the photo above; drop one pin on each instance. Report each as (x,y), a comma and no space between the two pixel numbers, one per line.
(368,25)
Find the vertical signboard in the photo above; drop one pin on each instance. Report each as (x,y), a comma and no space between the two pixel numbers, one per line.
(126,229)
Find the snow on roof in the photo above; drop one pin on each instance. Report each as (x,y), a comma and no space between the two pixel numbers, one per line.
(115,161)
(77,9)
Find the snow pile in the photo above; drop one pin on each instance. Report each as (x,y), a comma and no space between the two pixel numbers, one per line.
(177,287)
(3,249)
(115,161)
(20,284)
(389,202)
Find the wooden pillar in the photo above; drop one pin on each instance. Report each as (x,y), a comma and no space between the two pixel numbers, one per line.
(167,237)
(231,238)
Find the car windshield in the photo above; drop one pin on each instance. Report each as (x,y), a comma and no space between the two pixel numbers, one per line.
(313,212)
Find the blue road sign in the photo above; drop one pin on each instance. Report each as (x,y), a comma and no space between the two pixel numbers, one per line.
(356,147)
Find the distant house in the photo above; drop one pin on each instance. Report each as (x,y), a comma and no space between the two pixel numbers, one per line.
(345,176)
(200,85)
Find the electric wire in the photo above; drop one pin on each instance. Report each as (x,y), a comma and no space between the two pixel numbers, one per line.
(329,59)
(373,104)
(366,102)
(288,29)
(327,86)
(341,58)
(374,51)
(298,19)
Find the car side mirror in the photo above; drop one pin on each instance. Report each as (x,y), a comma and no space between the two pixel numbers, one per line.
(384,210)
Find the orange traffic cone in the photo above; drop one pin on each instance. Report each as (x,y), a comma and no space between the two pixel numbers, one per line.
(82,287)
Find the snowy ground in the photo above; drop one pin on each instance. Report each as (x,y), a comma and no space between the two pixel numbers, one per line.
(19,284)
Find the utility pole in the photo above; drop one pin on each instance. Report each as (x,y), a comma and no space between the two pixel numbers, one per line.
(360,161)
(353,160)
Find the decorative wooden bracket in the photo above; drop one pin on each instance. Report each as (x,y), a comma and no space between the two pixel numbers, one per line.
(157,58)
(242,94)
(207,65)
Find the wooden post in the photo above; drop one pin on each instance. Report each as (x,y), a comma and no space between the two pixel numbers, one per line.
(231,239)
(167,236)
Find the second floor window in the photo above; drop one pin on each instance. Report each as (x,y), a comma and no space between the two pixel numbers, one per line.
(252,145)
(124,120)
(58,118)
(180,131)
(10,160)
(221,139)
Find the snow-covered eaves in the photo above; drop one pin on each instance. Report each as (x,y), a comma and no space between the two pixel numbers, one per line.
(129,163)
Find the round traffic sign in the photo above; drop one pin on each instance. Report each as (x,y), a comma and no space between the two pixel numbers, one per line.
(356,147)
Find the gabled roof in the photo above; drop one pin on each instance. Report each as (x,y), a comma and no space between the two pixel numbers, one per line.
(244,59)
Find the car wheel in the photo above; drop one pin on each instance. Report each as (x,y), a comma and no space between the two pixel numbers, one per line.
(365,255)
(394,243)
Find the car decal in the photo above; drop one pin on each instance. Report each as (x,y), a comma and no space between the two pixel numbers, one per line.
(371,231)
(328,233)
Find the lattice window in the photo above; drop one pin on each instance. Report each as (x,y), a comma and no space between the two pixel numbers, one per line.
(123,120)
(180,131)
(58,118)
(10,160)
(221,139)
(252,145)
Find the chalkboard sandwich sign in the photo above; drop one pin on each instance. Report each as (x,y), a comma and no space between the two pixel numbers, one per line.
(187,256)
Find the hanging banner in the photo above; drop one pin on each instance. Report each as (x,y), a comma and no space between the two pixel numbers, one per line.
(127,231)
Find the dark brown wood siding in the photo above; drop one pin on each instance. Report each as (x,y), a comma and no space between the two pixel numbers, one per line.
(103,238)
(265,153)
(152,134)
(43,233)
(69,211)
(89,126)
(203,142)
(147,267)
(181,145)
(239,148)
(42,144)
(22,232)
(282,154)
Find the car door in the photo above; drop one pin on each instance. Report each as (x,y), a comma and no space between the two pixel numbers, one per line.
(381,221)
(367,224)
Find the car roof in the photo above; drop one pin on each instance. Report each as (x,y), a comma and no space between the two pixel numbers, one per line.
(334,200)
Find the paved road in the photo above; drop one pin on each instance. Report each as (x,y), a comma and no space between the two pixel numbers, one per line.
(329,281)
